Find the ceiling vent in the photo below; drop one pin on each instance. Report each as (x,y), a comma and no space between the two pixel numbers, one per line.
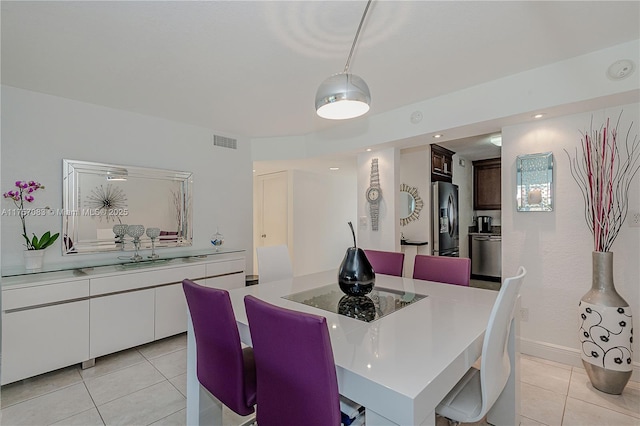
(225,142)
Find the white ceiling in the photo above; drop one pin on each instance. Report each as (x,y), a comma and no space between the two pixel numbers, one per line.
(252,68)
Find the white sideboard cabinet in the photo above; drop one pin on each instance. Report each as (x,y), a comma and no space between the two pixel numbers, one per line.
(54,319)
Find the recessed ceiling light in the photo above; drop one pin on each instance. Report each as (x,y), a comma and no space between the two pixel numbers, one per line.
(334,168)
(437,136)
(496,140)
(538,116)
(368,149)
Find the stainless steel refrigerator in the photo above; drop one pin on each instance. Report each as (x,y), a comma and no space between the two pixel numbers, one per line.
(444,234)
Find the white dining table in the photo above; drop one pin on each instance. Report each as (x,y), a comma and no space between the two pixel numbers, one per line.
(399,366)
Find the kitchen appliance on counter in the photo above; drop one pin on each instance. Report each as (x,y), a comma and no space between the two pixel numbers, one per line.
(483,224)
(486,257)
(444,203)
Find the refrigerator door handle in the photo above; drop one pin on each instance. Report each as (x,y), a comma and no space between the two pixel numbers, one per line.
(451,208)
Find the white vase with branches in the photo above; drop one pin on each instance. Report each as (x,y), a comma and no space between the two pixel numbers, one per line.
(604,167)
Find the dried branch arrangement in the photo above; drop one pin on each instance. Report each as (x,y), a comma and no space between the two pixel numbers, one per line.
(604,171)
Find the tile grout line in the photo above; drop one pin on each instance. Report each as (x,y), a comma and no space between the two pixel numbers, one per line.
(112,371)
(94,403)
(615,408)
(566,399)
(43,394)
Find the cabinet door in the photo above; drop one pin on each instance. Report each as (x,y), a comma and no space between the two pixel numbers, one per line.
(121,321)
(447,164)
(38,340)
(171,311)
(487,185)
(441,164)
(437,162)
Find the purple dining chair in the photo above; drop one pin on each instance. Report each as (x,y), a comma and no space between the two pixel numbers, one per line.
(386,262)
(443,269)
(294,365)
(223,367)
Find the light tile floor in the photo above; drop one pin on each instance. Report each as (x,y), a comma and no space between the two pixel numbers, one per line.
(147,386)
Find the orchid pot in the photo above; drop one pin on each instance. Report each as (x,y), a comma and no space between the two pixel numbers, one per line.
(35,245)
(33,259)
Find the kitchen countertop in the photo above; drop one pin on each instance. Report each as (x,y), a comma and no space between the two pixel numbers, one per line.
(413,243)
(488,234)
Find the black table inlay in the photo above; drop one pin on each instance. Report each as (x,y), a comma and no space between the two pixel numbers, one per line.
(373,306)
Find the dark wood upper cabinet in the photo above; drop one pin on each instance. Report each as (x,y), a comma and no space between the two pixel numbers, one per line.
(487,184)
(441,164)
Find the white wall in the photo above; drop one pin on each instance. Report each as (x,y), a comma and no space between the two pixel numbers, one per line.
(39,130)
(415,170)
(463,177)
(415,167)
(323,204)
(556,246)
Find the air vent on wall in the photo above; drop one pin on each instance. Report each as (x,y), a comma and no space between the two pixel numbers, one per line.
(225,142)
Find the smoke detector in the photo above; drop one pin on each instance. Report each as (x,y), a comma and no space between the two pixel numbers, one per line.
(621,69)
(416,117)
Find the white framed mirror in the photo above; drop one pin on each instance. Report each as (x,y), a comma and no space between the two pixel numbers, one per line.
(97,196)
(410,204)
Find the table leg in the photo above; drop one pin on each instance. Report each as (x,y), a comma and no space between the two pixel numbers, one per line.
(506,410)
(202,407)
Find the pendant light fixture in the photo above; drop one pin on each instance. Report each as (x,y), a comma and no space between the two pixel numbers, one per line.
(344,95)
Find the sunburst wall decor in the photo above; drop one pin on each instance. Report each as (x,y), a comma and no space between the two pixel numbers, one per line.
(108,203)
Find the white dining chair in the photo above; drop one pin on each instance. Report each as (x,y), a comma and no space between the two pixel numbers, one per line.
(274,263)
(474,395)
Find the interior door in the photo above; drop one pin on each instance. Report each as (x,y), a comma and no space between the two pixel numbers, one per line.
(274,211)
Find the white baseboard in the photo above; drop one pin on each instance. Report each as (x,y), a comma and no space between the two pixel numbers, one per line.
(562,354)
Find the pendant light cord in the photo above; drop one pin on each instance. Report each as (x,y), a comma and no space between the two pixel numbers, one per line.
(353,46)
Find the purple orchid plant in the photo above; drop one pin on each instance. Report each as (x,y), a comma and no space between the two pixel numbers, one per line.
(23,194)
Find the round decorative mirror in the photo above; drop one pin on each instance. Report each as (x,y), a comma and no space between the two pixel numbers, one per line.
(410,204)
(407,205)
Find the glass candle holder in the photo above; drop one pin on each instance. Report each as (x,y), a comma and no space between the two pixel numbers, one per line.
(120,230)
(136,231)
(153,233)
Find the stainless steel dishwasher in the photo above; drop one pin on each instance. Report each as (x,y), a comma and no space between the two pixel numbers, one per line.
(486,256)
